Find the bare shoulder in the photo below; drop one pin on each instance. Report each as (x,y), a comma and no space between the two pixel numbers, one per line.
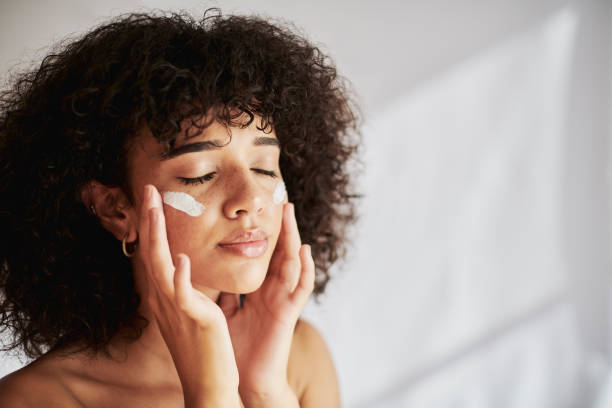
(311,369)
(34,385)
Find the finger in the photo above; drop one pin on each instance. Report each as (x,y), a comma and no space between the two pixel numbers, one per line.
(143,228)
(229,303)
(289,274)
(162,267)
(288,245)
(305,285)
(290,233)
(182,282)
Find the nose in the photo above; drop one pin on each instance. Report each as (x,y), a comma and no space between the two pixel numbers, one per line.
(244,196)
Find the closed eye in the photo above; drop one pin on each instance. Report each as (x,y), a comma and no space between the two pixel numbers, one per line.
(265,172)
(197,180)
(207,177)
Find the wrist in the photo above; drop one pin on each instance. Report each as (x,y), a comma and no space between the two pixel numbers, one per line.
(212,399)
(271,397)
(211,381)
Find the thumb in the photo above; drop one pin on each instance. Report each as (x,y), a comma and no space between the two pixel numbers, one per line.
(229,303)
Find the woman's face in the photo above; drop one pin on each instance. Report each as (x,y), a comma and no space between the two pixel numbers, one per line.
(236,185)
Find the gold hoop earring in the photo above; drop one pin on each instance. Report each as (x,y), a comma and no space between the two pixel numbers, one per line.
(124,245)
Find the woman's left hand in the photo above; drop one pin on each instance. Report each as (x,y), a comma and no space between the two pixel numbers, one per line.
(262,329)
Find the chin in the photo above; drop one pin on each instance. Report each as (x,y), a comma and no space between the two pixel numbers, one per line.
(239,279)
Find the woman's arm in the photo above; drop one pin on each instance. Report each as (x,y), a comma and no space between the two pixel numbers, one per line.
(192,325)
(311,369)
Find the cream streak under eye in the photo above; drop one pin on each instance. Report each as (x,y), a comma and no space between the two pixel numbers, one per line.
(183,202)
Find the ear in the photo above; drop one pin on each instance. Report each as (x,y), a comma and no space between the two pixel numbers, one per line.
(113,209)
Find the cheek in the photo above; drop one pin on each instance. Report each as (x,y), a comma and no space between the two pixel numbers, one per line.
(185,219)
(185,233)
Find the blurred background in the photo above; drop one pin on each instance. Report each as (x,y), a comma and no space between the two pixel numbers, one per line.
(479,274)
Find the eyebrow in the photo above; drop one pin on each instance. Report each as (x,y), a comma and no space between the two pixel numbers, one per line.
(215,145)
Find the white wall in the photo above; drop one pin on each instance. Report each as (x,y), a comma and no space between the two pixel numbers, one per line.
(480,270)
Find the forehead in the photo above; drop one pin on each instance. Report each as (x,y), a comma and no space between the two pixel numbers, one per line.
(199,135)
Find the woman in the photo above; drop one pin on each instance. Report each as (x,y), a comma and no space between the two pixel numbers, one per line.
(158,178)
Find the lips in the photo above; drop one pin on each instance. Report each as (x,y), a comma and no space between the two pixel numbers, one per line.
(256,234)
(247,243)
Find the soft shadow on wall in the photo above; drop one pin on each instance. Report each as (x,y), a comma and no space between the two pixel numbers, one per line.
(463,242)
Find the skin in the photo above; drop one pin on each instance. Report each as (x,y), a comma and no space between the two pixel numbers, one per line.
(201,348)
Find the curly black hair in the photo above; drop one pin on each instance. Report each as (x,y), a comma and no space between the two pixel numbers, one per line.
(62,277)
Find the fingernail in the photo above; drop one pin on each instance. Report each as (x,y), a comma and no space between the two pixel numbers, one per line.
(180,261)
(308,250)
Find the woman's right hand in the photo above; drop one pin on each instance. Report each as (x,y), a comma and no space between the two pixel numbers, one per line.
(192,325)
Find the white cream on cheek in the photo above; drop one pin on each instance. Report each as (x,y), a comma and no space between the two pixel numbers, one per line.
(183,202)
(279,193)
